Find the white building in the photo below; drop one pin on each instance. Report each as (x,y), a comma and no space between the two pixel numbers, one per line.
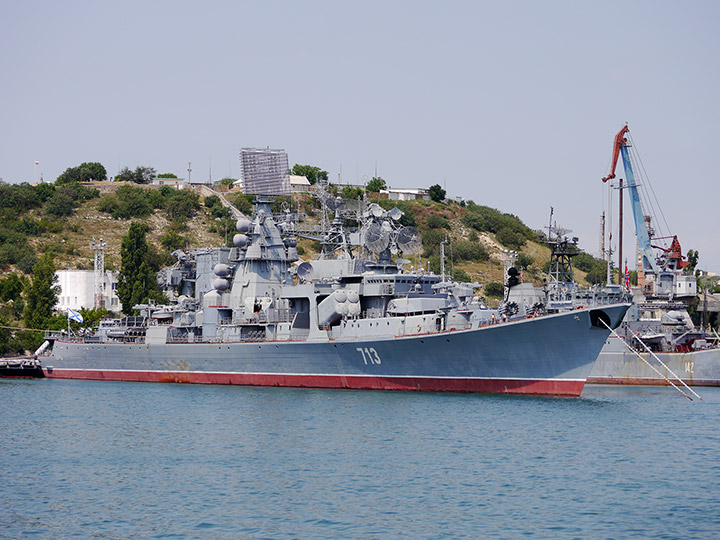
(77,290)
(299,184)
(177,183)
(407,194)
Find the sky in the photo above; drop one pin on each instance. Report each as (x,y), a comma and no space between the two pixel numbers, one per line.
(513,105)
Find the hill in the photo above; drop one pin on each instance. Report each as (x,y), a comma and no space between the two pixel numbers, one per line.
(478,236)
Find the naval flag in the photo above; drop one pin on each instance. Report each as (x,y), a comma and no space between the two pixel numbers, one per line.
(74,316)
(627,278)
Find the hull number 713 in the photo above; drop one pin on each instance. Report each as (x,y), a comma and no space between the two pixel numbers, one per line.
(370,355)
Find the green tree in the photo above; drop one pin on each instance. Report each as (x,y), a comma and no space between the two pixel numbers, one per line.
(16,199)
(44,191)
(495,289)
(524,261)
(351,193)
(91,317)
(184,203)
(313,174)
(692,257)
(167,175)
(141,175)
(437,193)
(60,205)
(127,202)
(85,172)
(510,238)
(435,221)
(598,273)
(11,287)
(136,284)
(171,241)
(376,184)
(41,294)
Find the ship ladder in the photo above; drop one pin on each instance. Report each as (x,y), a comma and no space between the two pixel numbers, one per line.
(655,356)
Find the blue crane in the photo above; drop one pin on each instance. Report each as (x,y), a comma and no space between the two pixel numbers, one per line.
(620,147)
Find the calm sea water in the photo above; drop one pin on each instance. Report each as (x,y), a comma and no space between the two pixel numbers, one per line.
(134,460)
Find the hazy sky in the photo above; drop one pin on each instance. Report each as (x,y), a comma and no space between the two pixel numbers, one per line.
(510,104)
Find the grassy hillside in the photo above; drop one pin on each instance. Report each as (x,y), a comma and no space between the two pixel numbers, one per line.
(478,235)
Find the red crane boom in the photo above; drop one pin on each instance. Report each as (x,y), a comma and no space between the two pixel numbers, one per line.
(619,141)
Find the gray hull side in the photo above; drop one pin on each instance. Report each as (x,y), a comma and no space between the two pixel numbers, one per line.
(558,347)
(617,365)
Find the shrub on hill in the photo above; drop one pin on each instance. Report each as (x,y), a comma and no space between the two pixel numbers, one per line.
(183,203)
(60,205)
(524,261)
(242,202)
(465,250)
(66,198)
(15,249)
(16,199)
(126,203)
(495,289)
(431,242)
(486,219)
(437,222)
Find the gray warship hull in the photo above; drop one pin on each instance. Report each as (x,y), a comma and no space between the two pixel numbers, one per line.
(550,355)
(617,365)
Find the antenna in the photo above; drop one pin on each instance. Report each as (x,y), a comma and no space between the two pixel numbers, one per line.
(409,240)
(189,171)
(376,238)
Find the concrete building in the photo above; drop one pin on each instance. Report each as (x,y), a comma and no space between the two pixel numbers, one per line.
(299,184)
(177,183)
(406,194)
(77,290)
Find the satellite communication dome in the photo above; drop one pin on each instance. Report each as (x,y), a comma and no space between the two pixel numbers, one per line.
(220,284)
(221,270)
(242,225)
(240,240)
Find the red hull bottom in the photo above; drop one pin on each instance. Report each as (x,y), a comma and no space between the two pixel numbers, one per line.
(566,388)
(638,381)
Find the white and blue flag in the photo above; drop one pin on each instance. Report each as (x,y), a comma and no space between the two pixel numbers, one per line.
(74,316)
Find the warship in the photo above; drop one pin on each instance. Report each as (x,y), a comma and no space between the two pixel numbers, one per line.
(253,314)
(657,342)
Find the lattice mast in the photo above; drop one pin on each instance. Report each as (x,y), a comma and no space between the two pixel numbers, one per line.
(99,250)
